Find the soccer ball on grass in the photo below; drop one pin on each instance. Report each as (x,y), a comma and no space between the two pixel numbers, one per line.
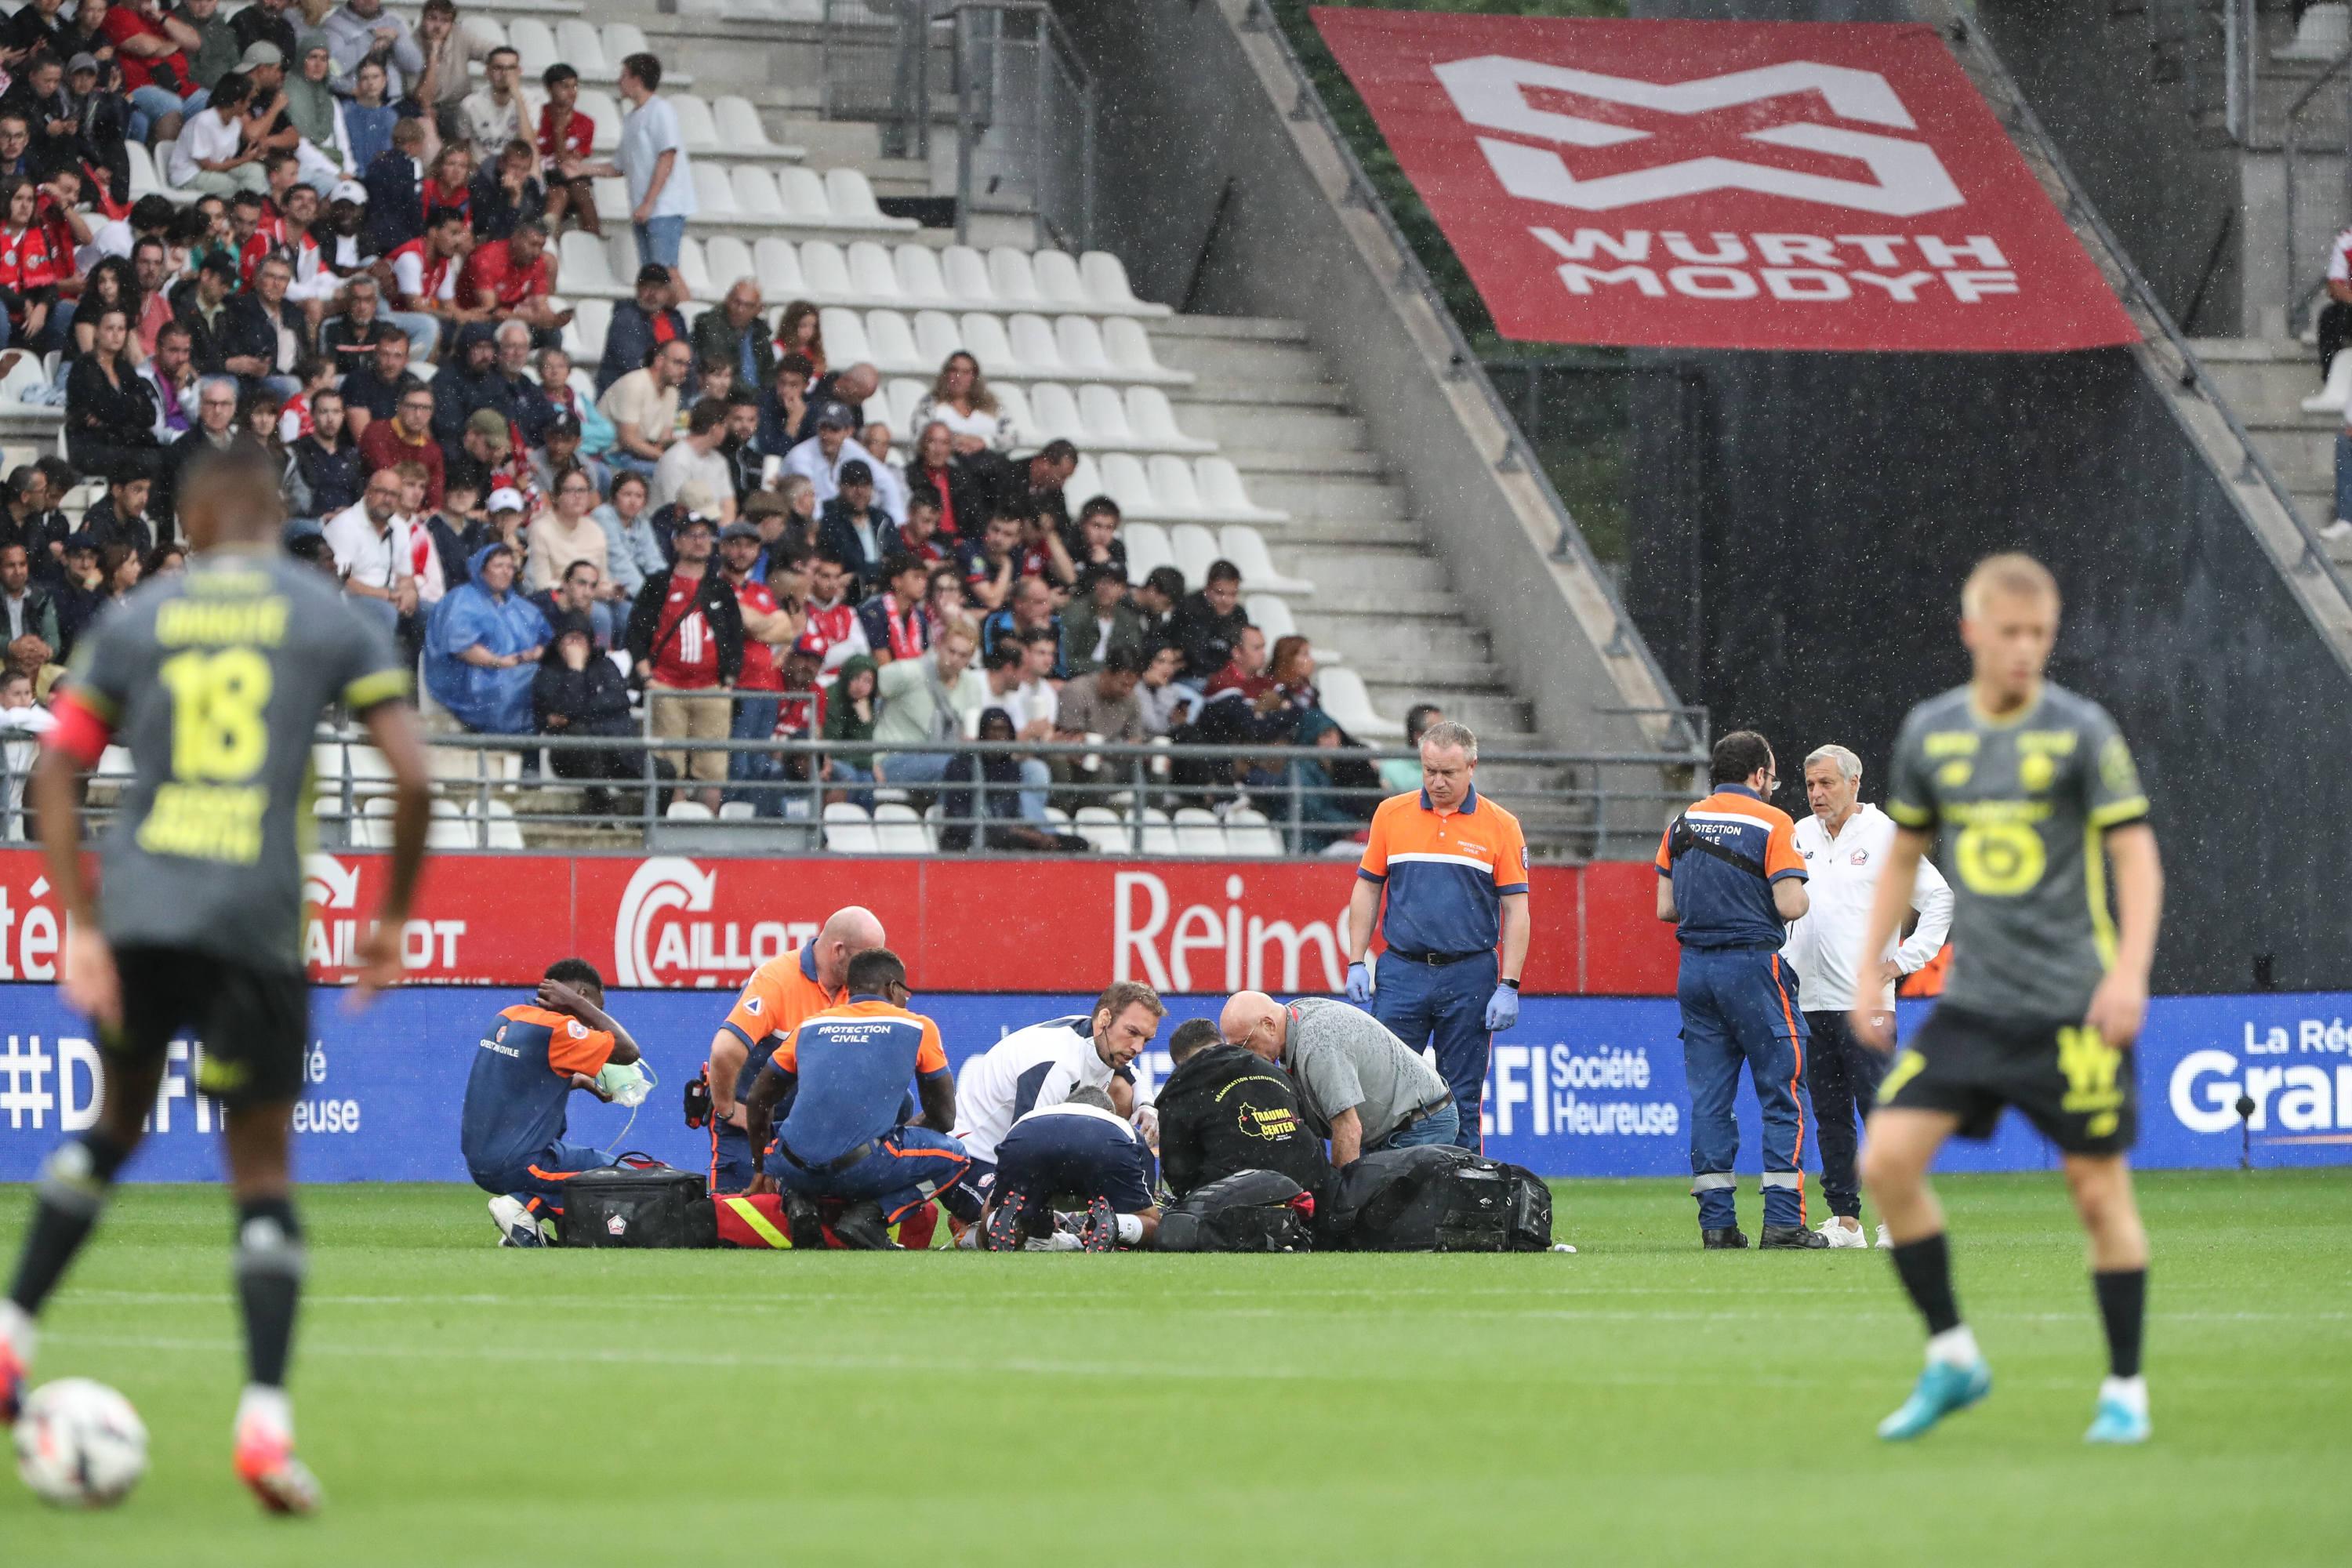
(81,1445)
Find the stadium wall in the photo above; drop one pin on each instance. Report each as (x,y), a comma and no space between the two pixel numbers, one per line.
(1224,190)
(1583,1087)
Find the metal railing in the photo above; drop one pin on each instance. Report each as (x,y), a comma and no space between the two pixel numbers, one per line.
(2216,46)
(1025,110)
(1261,799)
(874,63)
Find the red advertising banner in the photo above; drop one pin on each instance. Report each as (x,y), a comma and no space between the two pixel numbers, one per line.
(672,921)
(1725,184)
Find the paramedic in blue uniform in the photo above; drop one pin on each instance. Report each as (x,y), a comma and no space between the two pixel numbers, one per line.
(845,1071)
(1454,867)
(1730,879)
(528,1063)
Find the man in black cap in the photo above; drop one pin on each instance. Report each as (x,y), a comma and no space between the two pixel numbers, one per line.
(79,597)
(558,449)
(652,317)
(1099,621)
(852,528)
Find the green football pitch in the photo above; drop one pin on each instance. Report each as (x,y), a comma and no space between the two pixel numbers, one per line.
(1637,1402)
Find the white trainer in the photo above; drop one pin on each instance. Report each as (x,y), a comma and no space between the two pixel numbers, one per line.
(1841,1234)
(1884,1240)
(516,1226)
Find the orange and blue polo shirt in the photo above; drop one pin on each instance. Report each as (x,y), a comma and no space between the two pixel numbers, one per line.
(1723,881)
(852,1063)
(1447,872)
(519,1084)
(781,993)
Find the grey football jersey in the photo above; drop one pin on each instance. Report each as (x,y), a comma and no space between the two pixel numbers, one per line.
(215,679)
(2019,807)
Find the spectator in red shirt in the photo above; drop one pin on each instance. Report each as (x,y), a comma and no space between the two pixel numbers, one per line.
(407,436)
(686,631)
(513,277)
(147,44)
(566,138)
(765,628)
(450,185)
(424,271)
(28,271)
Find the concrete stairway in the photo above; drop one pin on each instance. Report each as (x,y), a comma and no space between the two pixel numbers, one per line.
(2266,382)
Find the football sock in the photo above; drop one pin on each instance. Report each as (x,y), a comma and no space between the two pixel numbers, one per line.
(1130,1230)
(270,1263)
(268,1406)
(66,1206)
(2122,1307)
(1926,1268)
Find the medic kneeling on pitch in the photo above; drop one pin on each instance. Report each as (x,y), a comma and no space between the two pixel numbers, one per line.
(530,1060)
(846,1070)
(1082,1151)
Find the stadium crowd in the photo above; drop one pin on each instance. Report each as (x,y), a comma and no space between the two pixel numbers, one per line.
(708,534)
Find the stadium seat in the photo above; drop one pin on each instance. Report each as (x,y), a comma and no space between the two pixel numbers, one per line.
(2337,395)
(691,268)
(1270,613)
(612,199)
(603,111)
(1172,487)
(714,197)
(448,828)
(592,319)
(849,831)
(501,830)
(873,276)
(1147,550)
(622,39)
(1249,835)
(1130,351)
(742,132)
(1034,349)
(890,341)
(1054,415)
(900,395)
(582,267)
(802,195)
(844,335)
(1221,492)
(687,811)
(1015,404)
(1159,835)
(696,124)
(621,245)
(778,264)
(1124,480)
(1059,286)
(738,811)
(826,269)
(939,334)
(1198,831)
(897,829)
(852,199)
(1196,549)
(1081,344)
(535,42)
(1152,420)
(966,277)
(578,48)
(983,335)
(1098,418)
(1102,828)
(2322,32)
(755,194)
(729,262)
(1106,280)
(1344,699)
(24,376)
(919,278)
(1245,547)
(1010,277)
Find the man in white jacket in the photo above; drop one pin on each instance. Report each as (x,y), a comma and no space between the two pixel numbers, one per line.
(1844,842)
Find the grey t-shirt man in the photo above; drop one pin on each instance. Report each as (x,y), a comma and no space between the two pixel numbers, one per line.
(215,679)
(2019,808)
(1342,1057)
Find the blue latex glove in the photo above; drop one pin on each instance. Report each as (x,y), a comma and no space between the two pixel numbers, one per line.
(1360,983)
(1502,1010)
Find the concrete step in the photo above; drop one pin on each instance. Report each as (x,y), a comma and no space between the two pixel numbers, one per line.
(1397,605)
(1338,569)
(1242,425)
(1266,395)
(1397,632)
(1258,329)
(1484,711)
(1343,530)
(1337,462)
(1313,495)
(1224,361)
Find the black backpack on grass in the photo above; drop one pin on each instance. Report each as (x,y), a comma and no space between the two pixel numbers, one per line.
(638,1203)
(1249,1210)
(1438,1198)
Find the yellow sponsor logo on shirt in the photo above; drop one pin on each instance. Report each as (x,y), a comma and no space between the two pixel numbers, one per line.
(206,822)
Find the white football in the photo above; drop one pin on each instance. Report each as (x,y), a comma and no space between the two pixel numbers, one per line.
(81,1445)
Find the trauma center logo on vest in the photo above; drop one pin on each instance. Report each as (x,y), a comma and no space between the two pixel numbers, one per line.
(657,939)
(1907,177)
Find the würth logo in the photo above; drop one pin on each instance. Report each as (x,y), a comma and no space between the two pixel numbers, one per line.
(1907,177)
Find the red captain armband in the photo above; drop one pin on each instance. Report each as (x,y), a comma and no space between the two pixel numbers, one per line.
(79,732)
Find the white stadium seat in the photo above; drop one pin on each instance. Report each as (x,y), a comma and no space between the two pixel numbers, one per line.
(1104,415)
(1172,487)
(691,268)
(1058,283)
(900,395)
(583,265)
(622,39)
(1270,613)
(1081,345)
(890,342)
(696,124)
(2336,395)
(603,111)
(1124,481)
(1152,420)
(1054,415)
(966,277)
(825,269)
(1344,699)
(1249,835)
(897,829)
(1221,492)
(1196,551)
(844,335)
(1102,828)
(1009,276)
(1106,280)
(1130,351)
(1198,831)
(803,197)
(1147,550)
(590,320)
(983,335)
(728,261)
(873,276)
(1244,546)
(714,197)
(919,278)
(755,192)
(581,50)
(849,831)
(852,197)
(1034,347)
(1158,835)
(778,264)
(1015,404)
(534,40)
(687,811)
